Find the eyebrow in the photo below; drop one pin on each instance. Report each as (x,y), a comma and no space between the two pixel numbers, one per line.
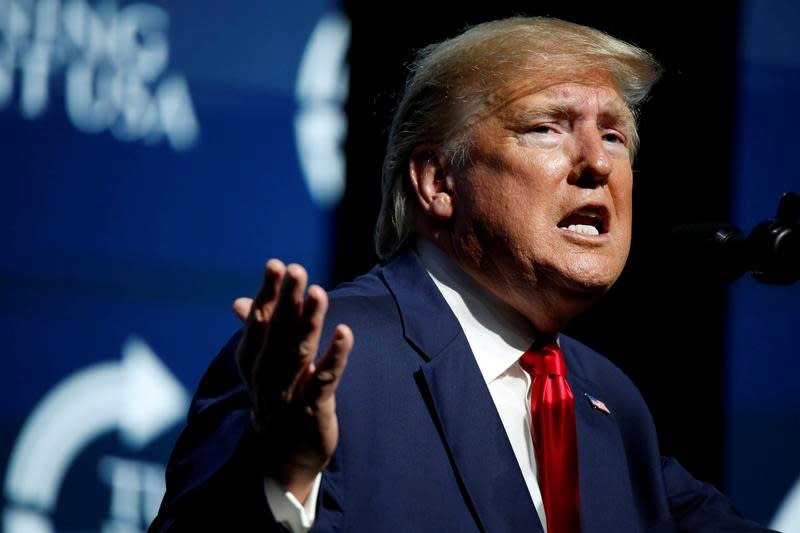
(614,114)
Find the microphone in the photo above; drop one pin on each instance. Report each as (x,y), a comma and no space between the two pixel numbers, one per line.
(771,252)
(715,249)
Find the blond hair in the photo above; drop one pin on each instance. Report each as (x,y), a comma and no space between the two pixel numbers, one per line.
(454,83)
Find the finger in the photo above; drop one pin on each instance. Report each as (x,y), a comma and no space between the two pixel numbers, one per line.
(242,307)
(256,323)
(288,309)
(267,297)
(310,329)
(281,363)
(323,384)
(314,309)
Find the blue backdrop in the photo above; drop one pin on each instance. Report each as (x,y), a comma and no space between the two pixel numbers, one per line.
(152,160)
(763,404)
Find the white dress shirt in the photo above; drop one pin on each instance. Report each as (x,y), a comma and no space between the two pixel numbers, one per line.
(498,336)
(288,510)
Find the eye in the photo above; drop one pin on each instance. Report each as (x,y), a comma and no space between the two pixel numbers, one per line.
(542,128)
(613,137)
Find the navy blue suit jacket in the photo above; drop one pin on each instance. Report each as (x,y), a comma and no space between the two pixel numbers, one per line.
(422,447)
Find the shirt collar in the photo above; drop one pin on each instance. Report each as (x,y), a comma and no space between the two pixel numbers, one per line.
(496,332)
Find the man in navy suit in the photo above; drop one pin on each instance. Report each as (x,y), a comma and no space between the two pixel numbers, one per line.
(506,212)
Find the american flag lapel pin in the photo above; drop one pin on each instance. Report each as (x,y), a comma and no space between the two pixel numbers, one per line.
(597,404)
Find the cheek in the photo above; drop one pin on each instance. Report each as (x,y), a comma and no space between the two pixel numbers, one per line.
(554,164)
(536,183)
(622,196)
(540,166)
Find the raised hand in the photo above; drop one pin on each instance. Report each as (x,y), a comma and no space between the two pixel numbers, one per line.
(294,405)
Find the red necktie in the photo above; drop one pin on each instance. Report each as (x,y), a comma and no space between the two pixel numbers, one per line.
(554,442)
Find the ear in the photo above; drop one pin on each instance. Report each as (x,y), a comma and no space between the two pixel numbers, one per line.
(432,181)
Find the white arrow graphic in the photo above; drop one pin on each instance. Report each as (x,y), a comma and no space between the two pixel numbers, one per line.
(138,396)
(321,124)
(787,519)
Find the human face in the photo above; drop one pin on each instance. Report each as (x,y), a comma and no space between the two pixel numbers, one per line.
(542,211)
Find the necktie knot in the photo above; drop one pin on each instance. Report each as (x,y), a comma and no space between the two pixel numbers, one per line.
(546,360)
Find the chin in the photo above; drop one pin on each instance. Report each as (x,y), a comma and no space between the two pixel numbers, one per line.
(589,287)
(590,277)
(564,299)
(565,289)
(575,293)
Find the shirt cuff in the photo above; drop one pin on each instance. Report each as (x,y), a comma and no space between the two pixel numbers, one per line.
(287,509)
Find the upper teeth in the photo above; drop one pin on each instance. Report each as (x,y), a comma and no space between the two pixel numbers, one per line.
(583,228)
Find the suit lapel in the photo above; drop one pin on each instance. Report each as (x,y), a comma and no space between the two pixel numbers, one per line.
(606,499)
(477,441)
(460,403)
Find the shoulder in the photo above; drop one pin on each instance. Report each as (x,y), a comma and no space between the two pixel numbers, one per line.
(591,365)
(611,384)
(367,289)
(390,296)
(364,302)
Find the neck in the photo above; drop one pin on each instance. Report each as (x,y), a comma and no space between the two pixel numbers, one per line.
(546,306)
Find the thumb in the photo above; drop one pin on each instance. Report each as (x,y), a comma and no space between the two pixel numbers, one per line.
(242,306)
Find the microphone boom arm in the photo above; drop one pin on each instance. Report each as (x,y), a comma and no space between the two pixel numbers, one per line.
(771,252)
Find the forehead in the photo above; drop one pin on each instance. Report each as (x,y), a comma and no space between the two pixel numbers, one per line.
(573,95)
(567,92)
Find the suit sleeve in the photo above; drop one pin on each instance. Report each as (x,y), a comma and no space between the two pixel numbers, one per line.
(699,507)
(214,478)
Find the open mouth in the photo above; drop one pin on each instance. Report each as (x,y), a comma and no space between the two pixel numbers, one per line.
(588,220)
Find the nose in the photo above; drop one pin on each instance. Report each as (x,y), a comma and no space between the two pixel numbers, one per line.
(592,163)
